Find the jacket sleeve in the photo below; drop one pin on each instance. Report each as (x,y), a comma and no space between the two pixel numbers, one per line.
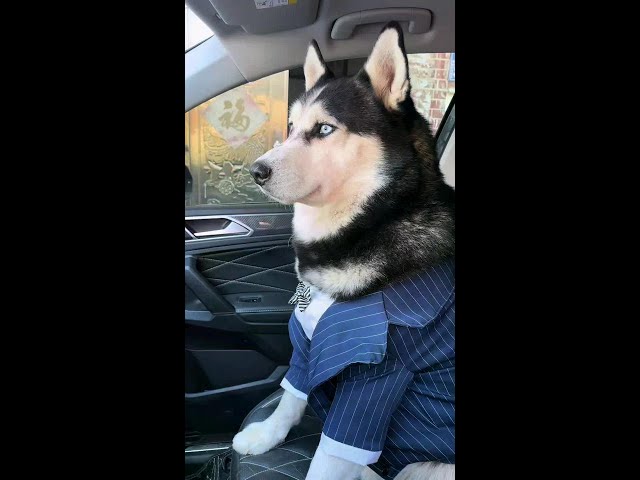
(295,380)
(358,420)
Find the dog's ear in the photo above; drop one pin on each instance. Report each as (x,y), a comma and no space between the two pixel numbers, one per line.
(387,67)
(314,67)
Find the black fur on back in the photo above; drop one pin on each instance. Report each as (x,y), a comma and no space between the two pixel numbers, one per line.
(409,225)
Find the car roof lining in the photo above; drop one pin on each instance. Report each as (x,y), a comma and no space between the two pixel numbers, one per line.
(254,56)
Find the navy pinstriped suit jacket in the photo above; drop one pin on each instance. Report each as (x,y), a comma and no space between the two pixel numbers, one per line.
(380,372)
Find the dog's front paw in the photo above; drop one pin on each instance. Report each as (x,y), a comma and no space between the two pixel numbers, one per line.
(257,438)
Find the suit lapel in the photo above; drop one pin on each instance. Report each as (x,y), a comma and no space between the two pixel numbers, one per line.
(348,332)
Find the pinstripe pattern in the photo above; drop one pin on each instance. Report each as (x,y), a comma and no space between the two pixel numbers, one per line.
(380,372)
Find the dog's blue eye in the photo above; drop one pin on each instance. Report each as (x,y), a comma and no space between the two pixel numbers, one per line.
(325,129)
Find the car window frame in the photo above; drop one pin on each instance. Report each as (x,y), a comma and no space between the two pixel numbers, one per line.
(446,128)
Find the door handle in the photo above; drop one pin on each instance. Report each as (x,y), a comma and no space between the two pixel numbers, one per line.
(232,228)
(203,227)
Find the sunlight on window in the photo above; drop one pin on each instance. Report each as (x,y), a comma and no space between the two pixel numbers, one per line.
(225,135)
(195,30)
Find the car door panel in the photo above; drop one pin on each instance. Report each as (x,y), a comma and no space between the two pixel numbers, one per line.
(237,289)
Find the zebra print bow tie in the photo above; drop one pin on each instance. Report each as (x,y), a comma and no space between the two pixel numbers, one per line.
(302,296)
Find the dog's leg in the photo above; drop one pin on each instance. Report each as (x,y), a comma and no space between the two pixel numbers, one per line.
(327,467)
(428,471)
(261,437)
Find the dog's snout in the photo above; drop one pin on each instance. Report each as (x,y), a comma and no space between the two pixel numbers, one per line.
(260,172)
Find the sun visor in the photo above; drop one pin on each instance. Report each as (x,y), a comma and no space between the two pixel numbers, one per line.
(267,16)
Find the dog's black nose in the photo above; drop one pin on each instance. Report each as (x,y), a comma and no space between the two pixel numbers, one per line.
(260,172)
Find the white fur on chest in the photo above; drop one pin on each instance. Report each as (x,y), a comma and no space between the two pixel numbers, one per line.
(347,279)
(334,281)
(315,223)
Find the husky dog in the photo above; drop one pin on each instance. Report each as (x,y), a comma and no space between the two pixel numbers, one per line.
(371,210)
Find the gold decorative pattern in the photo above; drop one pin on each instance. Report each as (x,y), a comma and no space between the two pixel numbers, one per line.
(227,133)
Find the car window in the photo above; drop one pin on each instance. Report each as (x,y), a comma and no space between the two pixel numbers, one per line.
(195,30)
(433,84)
(224,135)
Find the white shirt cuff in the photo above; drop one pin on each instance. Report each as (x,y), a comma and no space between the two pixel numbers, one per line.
(292,390)
(348,452)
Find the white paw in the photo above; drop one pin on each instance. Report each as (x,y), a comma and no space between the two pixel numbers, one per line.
(257,438)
